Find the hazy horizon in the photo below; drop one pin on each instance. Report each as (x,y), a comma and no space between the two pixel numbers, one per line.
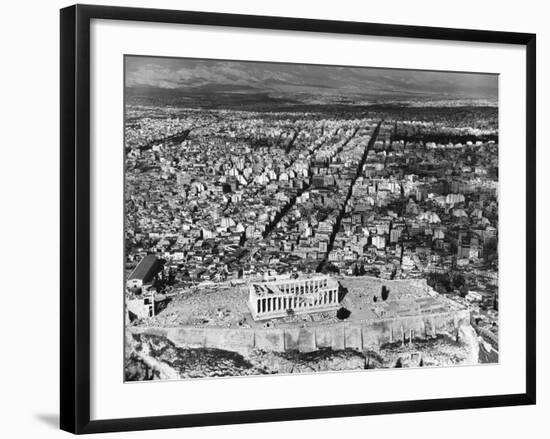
(285,79)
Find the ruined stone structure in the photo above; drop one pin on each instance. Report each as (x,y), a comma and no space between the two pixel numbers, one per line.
(280,298)
(380,312)
(337,336)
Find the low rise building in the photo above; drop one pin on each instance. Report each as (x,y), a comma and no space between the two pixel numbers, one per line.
(144,273)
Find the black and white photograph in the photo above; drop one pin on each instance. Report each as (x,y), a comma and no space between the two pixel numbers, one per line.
(275,219)
(286,218)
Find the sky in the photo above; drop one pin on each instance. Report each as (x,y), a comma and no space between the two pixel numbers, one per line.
(179,73)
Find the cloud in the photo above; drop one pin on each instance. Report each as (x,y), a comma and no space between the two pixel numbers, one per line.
(173,73)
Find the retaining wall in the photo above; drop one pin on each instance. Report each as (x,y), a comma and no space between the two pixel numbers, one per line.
(341,335)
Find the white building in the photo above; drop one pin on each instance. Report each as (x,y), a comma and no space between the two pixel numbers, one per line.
(141,306)
(281,298)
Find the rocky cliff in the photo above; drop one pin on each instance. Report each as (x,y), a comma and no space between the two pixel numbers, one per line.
(150,356)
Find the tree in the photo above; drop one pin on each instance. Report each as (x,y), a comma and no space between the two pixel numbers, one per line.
(458,281)
(385,292)
(171,276)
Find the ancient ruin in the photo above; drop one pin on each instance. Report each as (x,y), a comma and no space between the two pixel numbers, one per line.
(281,298)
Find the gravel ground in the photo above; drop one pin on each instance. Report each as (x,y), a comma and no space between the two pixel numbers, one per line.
(224,305)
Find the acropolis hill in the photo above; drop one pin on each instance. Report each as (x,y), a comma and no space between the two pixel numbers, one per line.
(367,313)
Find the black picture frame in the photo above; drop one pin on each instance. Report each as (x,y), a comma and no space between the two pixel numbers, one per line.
(75,217)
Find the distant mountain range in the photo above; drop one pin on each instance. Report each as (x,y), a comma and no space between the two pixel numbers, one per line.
(208,82)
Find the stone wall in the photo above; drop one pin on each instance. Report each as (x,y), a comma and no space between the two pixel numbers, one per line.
(341,335)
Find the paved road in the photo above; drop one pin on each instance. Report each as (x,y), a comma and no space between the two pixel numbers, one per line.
(323,264)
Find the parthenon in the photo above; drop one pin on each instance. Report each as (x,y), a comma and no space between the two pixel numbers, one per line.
(297,296)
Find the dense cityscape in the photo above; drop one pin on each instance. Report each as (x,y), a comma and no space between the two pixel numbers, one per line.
(236,195)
